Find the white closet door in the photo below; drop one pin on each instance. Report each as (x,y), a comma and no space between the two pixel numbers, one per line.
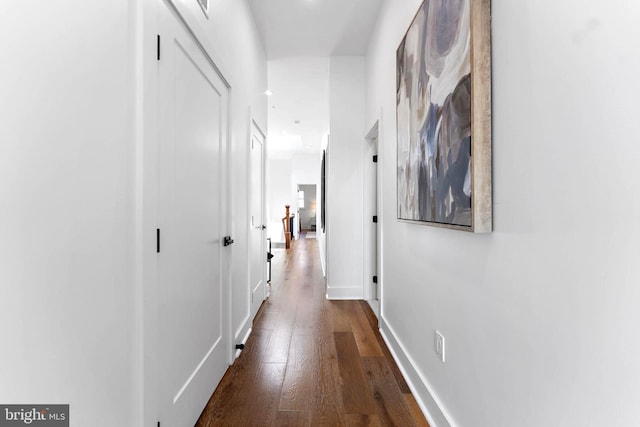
(258,254)
(192,304)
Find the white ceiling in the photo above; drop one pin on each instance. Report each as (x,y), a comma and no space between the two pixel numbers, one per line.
(314,27)
(300,88)
(299,36)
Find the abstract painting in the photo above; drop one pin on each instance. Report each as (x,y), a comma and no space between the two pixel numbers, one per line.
(443,107)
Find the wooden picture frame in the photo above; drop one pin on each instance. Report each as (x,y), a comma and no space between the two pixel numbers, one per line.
(443,116)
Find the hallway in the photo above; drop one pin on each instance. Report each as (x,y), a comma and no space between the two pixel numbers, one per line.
(310,361)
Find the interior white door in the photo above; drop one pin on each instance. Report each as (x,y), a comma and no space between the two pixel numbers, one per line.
(193,311)
(258,252)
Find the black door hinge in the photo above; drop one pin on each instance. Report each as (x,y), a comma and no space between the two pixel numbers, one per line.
(239,346)
(228,241)
(157,240)
(375,279)
(375,159)
(158,47)
(375,218)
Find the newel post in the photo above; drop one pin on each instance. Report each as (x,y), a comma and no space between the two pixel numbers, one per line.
(285,224)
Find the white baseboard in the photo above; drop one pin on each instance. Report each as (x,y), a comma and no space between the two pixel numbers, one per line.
(420,387)
(323,263)
(244,341)
(242,334)
(344,293)
(321,237)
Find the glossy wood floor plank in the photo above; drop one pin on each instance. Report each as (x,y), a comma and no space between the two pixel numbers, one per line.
(365,337)
(277,350)
(299,380)
(371,316)
(305,317)
(391,407)
(340,313)
(267,316)
(417,414)
(293,419)
(362,420)
(356,394)
(311,362)
(327,405)
(402,383)
(235,407)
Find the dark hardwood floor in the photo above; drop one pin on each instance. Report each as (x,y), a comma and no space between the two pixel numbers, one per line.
(311,362)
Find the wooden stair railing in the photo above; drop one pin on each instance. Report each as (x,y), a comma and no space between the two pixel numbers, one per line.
(285,226)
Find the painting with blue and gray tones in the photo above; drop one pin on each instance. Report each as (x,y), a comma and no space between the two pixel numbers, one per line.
(433,101)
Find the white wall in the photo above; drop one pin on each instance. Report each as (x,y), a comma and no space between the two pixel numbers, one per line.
(345,178)
(541,316)
(305,169)
(67,294)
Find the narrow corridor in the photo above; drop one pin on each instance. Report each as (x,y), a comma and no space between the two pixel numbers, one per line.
(311,362)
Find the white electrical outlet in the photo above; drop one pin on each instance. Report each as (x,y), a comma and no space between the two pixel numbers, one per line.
(439,345)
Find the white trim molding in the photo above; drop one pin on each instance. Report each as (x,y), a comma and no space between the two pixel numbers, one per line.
(344,293)
(244,341)
(428,401)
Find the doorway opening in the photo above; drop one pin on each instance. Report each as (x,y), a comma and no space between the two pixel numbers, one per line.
(372,241)
(307,210)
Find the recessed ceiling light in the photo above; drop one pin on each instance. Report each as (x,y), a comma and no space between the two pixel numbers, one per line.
(268,92)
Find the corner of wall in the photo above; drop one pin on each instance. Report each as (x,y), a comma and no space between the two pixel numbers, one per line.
(420,387)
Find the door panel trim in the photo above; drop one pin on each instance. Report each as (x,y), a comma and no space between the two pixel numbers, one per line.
(195,372)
